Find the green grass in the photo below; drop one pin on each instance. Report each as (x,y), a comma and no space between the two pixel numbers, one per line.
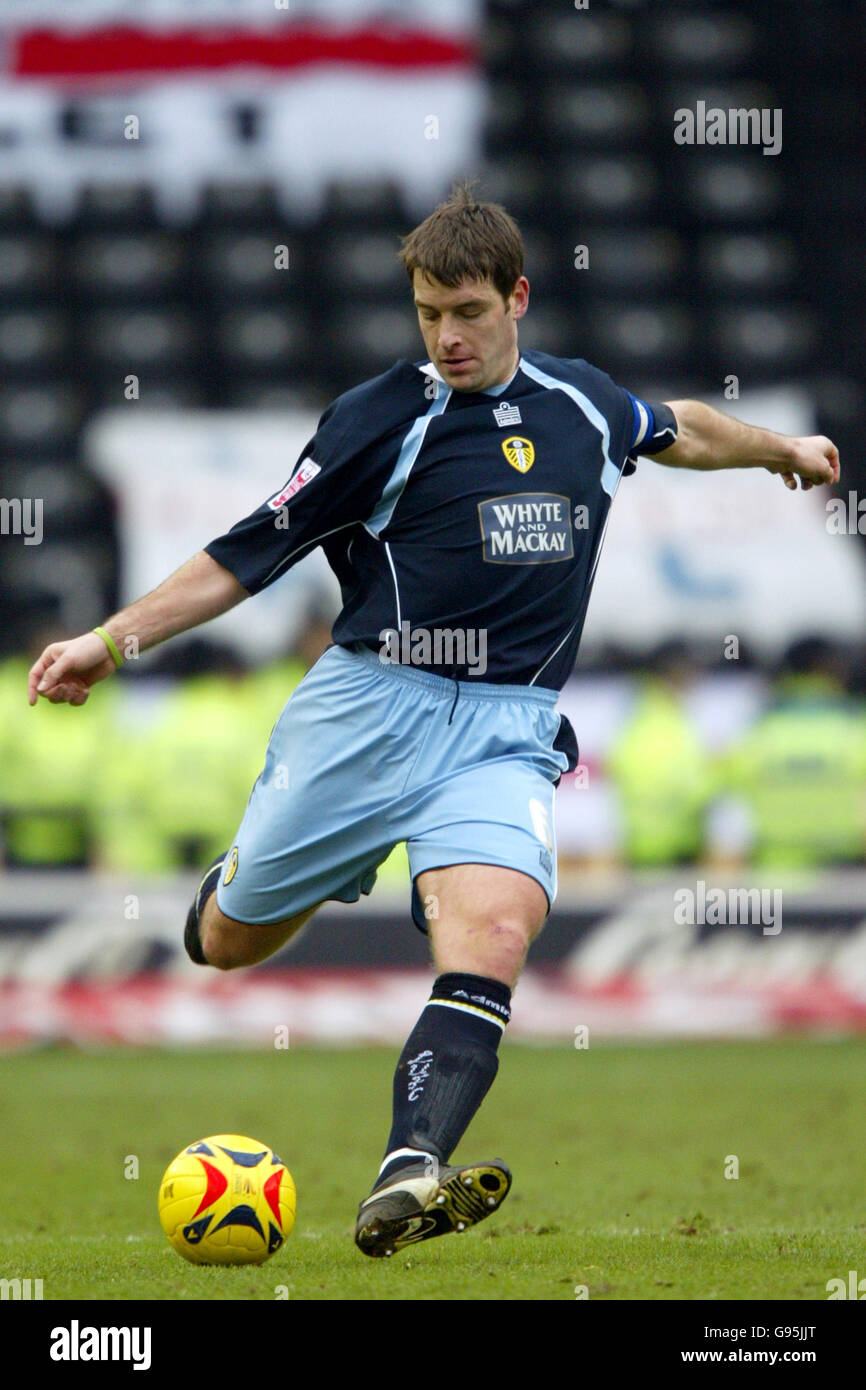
(618,1154)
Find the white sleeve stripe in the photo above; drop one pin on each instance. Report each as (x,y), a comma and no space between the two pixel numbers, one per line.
(668,434)
(643,416)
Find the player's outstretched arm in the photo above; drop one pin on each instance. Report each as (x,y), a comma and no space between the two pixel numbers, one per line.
(707,439)
(200,590)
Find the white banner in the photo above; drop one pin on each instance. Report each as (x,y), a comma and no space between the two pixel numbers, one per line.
(707,555)
(447,15)
(329,91)
(317,126)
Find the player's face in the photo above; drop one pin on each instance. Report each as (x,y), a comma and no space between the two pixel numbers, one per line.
(470,332)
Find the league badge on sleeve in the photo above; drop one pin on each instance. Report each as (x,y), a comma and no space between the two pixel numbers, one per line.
(299,479)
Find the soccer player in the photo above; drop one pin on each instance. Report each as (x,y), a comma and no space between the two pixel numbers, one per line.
(461,501)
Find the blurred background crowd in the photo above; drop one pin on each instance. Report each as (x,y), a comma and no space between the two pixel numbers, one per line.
(680,762)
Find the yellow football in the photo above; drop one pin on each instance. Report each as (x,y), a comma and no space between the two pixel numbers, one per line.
(227,1200)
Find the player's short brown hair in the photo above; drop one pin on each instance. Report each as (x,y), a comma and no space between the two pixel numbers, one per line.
(465,239)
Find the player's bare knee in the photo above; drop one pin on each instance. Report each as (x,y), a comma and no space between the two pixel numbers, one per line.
(495,948)
(219,950)
(220,938)
(512,929)
(504,938)
(508,945)
(231,945)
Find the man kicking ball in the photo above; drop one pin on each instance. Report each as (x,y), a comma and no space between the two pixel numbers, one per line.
(461,502)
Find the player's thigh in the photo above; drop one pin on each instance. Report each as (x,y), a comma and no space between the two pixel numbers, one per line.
(482,918)
(228,944)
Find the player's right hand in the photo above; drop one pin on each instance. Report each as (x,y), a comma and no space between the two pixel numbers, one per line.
(816,461)
(65,671)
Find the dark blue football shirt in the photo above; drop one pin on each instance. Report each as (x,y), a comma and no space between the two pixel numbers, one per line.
(446,510)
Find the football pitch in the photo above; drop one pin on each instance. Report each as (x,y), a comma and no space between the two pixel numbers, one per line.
(619,1153)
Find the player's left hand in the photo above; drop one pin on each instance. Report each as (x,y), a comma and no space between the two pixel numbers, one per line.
(815,462)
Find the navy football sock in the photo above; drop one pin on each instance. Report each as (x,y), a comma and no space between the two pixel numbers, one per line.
(446,1069)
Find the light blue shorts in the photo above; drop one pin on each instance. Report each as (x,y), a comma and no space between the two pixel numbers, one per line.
(366,755)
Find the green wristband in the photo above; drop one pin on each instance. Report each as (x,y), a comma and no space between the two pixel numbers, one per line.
(111,645)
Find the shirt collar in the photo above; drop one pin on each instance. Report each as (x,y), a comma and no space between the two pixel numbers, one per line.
(429,370)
